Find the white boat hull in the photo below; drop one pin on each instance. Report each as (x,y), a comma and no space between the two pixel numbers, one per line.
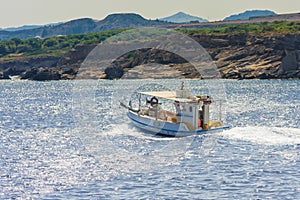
(167,128)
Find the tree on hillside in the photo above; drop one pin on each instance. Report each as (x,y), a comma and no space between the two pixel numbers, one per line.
(2,49)
(50,42)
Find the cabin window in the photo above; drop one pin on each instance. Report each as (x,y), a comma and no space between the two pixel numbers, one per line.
(191,109)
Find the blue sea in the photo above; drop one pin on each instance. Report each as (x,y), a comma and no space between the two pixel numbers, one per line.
(72,140)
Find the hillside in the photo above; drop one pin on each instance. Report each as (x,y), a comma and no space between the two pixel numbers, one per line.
(53,46)
(27,27)
(128,20)
(181,17)
(268,50)
(249,14)
(81,26)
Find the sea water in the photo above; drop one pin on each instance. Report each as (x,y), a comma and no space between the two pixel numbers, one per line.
(72,140)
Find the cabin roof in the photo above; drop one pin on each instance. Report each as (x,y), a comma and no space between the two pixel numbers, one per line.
(171,95)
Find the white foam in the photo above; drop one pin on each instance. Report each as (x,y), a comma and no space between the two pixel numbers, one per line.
(265,135)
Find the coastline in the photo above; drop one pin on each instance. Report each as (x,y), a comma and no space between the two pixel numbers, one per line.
(237,56)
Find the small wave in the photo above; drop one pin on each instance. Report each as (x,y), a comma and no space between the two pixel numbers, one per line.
(265,135)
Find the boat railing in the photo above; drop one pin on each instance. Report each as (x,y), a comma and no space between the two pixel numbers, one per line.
(158,113)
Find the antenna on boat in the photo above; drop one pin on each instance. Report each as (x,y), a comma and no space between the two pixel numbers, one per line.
(220,111)
(140,103)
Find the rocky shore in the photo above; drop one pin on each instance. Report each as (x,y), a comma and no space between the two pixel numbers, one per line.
(240,56)
(251,56)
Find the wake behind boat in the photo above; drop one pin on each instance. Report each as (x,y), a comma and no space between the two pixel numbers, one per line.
(191,116)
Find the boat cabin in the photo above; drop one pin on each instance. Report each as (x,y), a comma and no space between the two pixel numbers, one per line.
(192,111)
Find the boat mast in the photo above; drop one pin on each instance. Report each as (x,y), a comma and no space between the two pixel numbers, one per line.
(140,103)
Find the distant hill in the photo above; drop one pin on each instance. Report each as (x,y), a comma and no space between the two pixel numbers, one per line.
(182,18)
(249,14)
(279,17)
(85,25)
(127,20)
(27,27)
(131,20)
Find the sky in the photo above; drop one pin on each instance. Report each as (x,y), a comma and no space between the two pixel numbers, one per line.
(16,13)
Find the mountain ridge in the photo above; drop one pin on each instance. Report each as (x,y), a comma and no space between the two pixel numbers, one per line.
(83,25)
(248,14)
(182,17)
(127,20)
(28,27)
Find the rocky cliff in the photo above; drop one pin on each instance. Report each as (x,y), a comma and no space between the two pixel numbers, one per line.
(241,56)
(35,68)
(254,56)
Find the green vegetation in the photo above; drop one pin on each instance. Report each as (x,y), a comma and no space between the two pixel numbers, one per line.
(277,27)
(58,45)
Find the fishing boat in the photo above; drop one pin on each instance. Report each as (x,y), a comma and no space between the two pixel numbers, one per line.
(191,115)
(15,77)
